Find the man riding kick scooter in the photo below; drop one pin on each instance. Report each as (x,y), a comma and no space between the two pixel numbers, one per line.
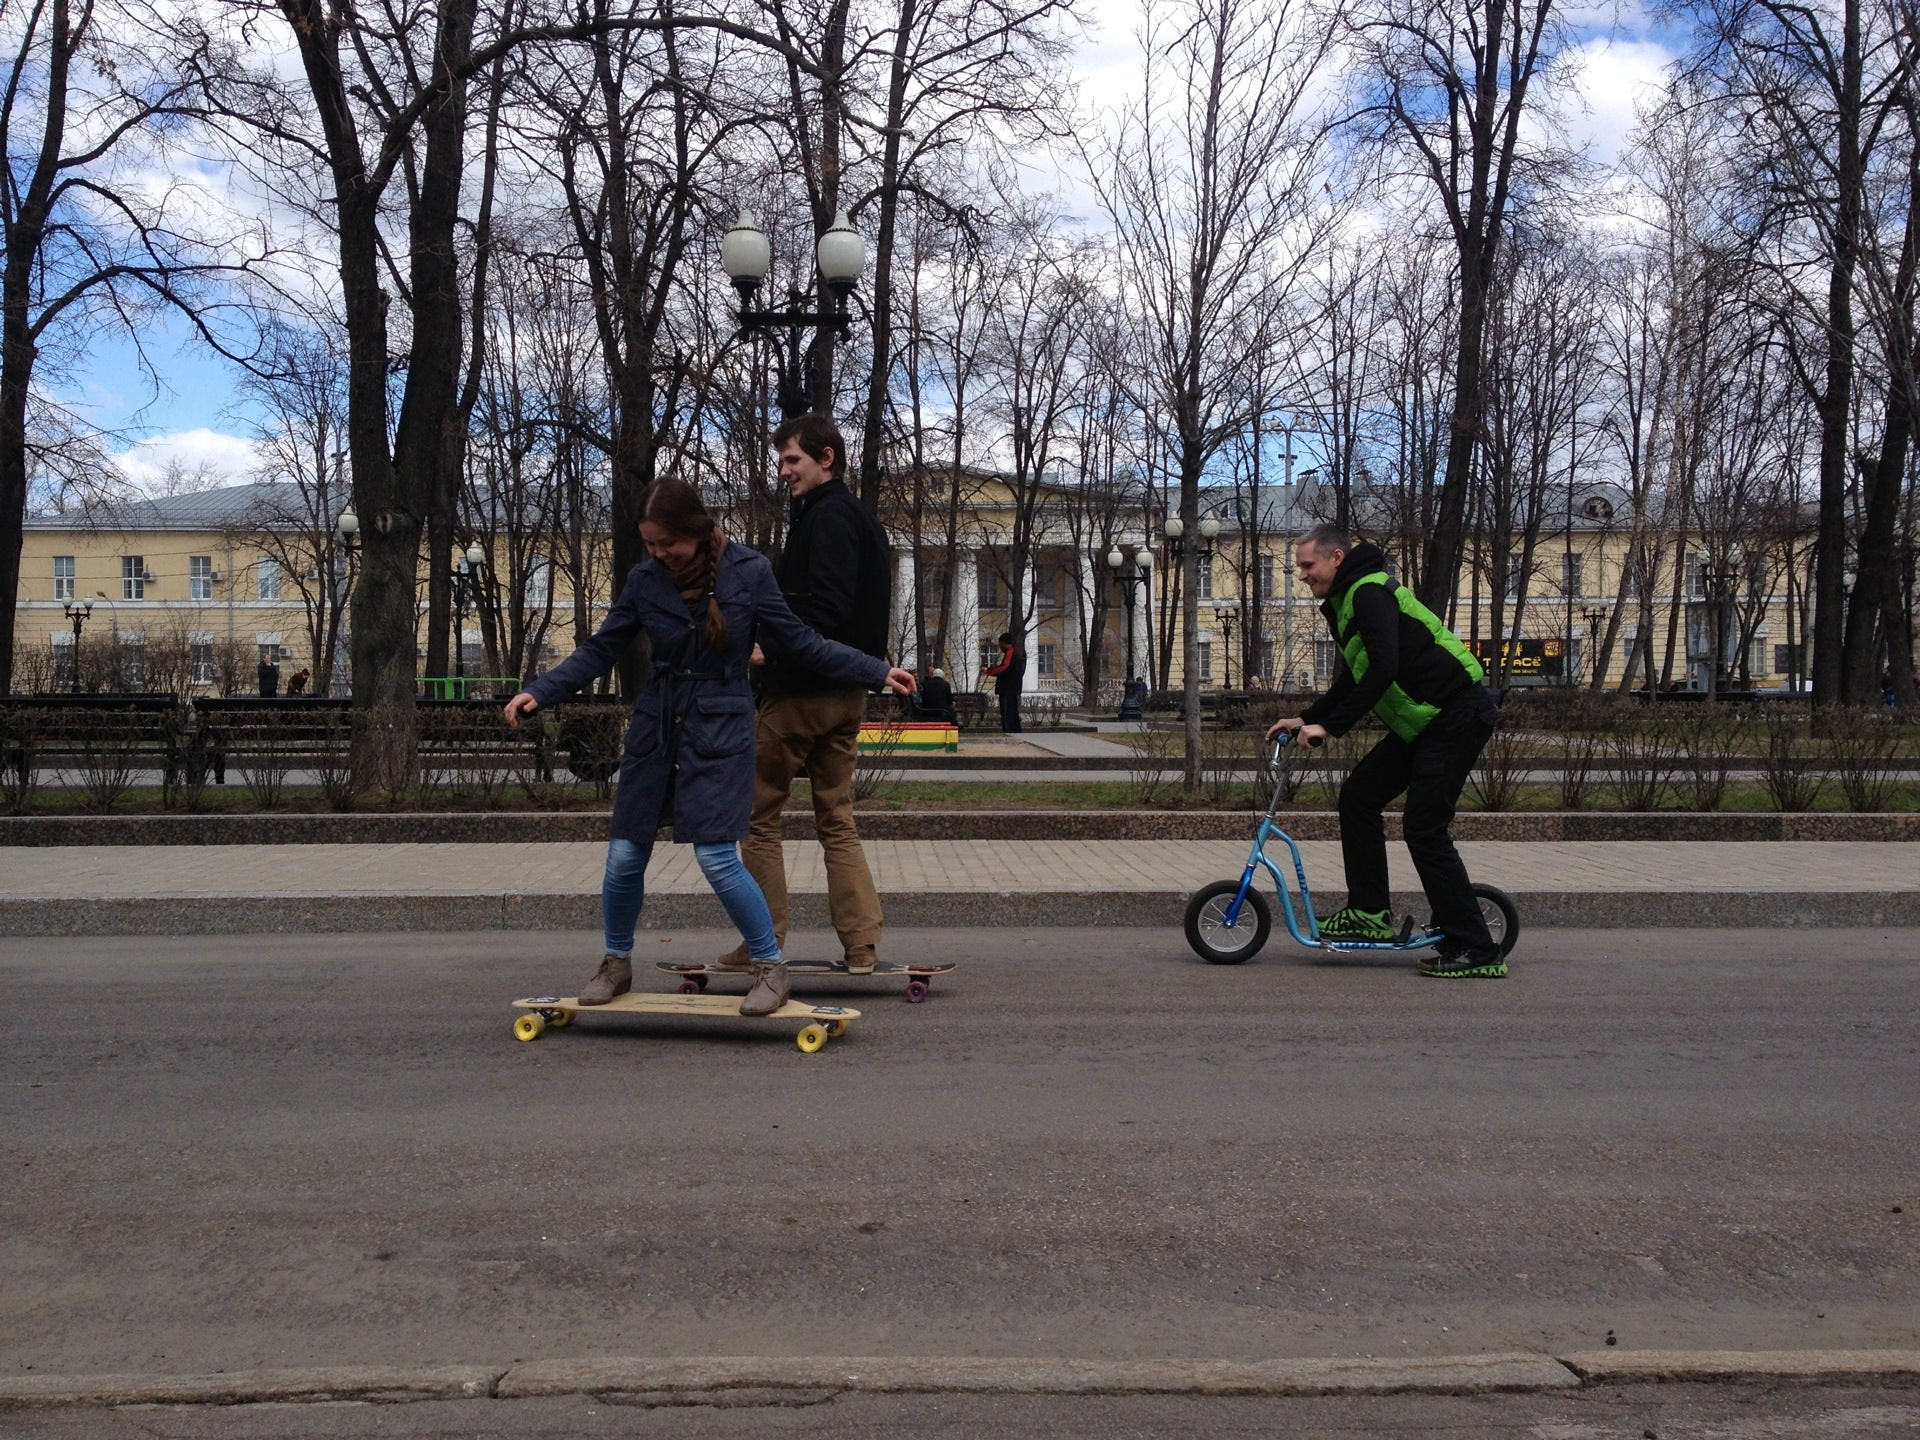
(1401,663)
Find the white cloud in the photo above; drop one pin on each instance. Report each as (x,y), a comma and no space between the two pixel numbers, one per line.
(188,460)
(1612,79)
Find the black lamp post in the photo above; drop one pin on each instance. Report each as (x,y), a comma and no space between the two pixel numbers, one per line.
(465,577)
(1720,580)
(1595,616)
(1132,564)
(839,259)
(1224,614)
(78,612)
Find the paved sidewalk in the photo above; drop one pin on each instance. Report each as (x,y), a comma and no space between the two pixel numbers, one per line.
(238,889)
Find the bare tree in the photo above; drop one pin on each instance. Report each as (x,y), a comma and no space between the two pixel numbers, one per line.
(1209,181)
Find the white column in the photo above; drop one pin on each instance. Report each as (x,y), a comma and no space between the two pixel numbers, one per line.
(966,623)
(1032,632)
(907,656)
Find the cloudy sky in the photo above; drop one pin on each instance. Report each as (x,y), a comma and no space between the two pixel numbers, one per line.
(192,420)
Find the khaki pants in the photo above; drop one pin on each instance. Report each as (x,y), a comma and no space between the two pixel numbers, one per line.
(821,732)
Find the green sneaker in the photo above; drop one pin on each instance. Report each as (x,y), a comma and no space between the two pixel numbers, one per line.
(1453,961)
(1352,924)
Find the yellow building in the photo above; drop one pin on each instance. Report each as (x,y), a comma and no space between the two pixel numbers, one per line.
(188,593)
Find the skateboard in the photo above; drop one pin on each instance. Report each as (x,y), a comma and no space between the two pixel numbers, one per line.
(824,1022)
(694,975)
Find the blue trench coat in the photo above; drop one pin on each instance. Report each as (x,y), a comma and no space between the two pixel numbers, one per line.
(689,748)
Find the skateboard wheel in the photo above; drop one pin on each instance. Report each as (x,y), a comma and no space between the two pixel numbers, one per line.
(811,1038)
(836,1028)
(528,1027)
(916,991)
(689,986)
(558,1019)
(700,983)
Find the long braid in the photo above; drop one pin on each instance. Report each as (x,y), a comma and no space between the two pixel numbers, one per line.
(716,622)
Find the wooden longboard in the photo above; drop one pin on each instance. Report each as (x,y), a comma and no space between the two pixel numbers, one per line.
(823,1022)
(695,974)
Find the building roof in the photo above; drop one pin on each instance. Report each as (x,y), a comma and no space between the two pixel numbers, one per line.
(257,506)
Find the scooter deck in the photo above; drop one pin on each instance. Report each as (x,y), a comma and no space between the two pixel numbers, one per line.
(544,1012)
(695,974)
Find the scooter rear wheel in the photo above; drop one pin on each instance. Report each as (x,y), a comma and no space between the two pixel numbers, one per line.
(1502,917)
(1218,943)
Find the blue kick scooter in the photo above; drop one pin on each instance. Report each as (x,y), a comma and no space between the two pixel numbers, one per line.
(1229,920)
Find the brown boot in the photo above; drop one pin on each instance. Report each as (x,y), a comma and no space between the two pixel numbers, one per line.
(735,959)
(861,960)
(769,990)
(614,977)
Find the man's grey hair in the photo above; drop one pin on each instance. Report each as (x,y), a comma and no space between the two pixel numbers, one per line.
(1325,538)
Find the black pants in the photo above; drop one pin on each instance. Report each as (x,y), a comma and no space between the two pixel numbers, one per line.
(1432,769)
(1010,711)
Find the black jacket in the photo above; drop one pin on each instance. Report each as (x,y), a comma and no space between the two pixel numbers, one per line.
(1399,650)
(837,575)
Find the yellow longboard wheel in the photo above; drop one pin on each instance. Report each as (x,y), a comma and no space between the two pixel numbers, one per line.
(528,1027)
(836,1028)
(811,1038)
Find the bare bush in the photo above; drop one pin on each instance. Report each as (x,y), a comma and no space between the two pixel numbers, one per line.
(19,739)
(1865,744)
(1793,776)
(1643,750)
(1231,755)
(264,764)
(1502,766)
(106,758)
(874,768)
(1153,751)
(1705,736)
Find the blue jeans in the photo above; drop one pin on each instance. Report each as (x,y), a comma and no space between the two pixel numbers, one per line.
(623,889)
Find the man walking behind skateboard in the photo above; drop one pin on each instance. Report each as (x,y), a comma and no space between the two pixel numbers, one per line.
(836,574)
(1400,662)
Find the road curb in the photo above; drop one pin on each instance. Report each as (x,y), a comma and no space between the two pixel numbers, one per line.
(1640,1367)
(387,1384)
(638,1376)
(1463,1374)
(1680,909)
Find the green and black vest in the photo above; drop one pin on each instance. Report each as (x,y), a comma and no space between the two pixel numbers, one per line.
(1398,711)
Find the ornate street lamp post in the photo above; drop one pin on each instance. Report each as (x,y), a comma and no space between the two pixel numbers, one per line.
(78,612)
(1225,615)
(1132,564)
(465,577)
(839,259)
(1595,616)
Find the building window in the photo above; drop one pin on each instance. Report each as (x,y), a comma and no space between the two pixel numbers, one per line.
(539,584)
(63,577)
(1046,659)
(1266,577)
(989,590)
(62,661)
(1265,659)
(1790,659)
(1326,659)
(1206,661)
(131,653)
(133,577)
(1203,578)
(1570,575)
(268,572)
(989,654)
(200,577)
(203,671)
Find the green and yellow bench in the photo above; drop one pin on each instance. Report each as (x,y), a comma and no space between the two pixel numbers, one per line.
(910,735)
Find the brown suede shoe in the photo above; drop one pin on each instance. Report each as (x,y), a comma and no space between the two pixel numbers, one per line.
(614,977)
(735,959)
(769,990)
(861,960)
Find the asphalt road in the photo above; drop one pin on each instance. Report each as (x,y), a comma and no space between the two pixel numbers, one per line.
(1663,1412)
(223,1153)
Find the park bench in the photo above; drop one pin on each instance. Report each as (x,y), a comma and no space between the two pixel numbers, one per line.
(103,735)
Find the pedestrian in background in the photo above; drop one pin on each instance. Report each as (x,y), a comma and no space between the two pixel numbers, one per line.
(1008,677)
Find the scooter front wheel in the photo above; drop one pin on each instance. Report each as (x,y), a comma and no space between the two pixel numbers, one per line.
(1217,942)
